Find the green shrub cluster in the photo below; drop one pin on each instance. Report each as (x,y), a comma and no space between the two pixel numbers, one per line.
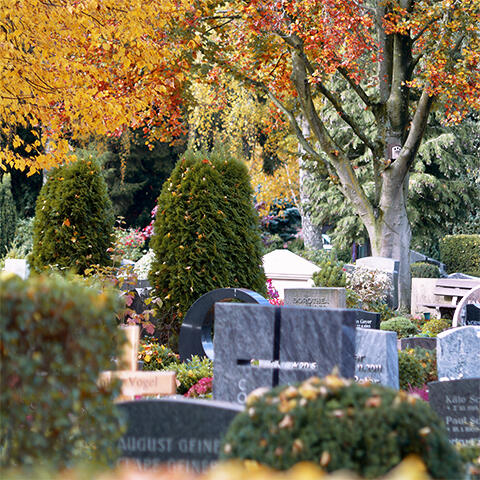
(156,356)
(368,429)
(402,325)
(73,219)
(461,253)
(56,336)
(191,371)
(8,215)
(435,326)
(410,370)
(424,270)
(331,274)
(207,233)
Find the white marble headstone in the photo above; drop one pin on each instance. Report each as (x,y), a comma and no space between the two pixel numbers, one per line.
(19,266)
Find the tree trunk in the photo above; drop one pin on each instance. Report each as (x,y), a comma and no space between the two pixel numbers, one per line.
(312,233)
(390,233)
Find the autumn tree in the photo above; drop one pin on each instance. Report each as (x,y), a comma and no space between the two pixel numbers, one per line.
(73,66)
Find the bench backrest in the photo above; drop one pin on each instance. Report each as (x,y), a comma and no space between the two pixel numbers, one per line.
(454,287)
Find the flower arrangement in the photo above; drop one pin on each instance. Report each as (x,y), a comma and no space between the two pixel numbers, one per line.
(144,264)
(202,389)
(370,285)
(272,294)
(156,356)
(129,244)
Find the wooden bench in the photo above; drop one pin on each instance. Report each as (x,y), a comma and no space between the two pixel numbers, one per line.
(450,291)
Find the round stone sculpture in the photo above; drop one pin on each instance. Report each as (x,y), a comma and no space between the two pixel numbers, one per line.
(196,330)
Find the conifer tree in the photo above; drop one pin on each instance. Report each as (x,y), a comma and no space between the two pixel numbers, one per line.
(74,219)
(8,215)
(206,232)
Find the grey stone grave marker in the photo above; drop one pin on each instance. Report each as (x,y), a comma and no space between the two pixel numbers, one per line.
(323,297)
(376,357)
(174,432)
(265,346)
(472,316)
(390,267)
(428,343)
(458,353)
(457,402)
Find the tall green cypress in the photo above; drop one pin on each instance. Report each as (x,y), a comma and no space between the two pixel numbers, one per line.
(8,215)
(207,233)
(74,219)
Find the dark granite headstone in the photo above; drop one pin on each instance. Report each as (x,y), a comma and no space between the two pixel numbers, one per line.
(196,330)
(175,431)
(472,316)
(264,346)
(457,402)
(368,320)
(428,343)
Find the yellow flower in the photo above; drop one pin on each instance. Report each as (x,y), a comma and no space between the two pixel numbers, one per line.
(147,358)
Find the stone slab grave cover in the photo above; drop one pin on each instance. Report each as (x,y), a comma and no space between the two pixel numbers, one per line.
(376,357)
(458,353)
(457,402)
(459,317)
(175,432)
(388,266)
(265,346)
(428,343)
(322,297)
(288,270)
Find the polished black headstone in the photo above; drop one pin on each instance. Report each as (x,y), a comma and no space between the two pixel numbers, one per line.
(265,346)
(428,343)
(472,316)
(370,320)
(175,431)
(457,402)
(196,330)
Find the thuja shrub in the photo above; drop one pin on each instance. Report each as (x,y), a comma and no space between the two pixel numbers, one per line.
(8,215)
(461,253)
(206,233)
(368,429)
(56,336)
(74,219)
(403,326)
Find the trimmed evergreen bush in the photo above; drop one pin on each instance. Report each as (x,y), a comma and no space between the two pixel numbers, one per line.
(424,270)
(56,336)
(411,372)
(402,325)
(207,234)
(331,274)
(461,253)
(8,215)
(339,424)
(73,220)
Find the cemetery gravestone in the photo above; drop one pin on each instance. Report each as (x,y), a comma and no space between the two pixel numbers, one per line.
(388,266)
(376,357)
(428,343)
(457,402)
(459,317)
(368,320)
(472,316)
(196,330)
(458,353)
(18,266)
(323,297)
(265,346)
(175,432)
